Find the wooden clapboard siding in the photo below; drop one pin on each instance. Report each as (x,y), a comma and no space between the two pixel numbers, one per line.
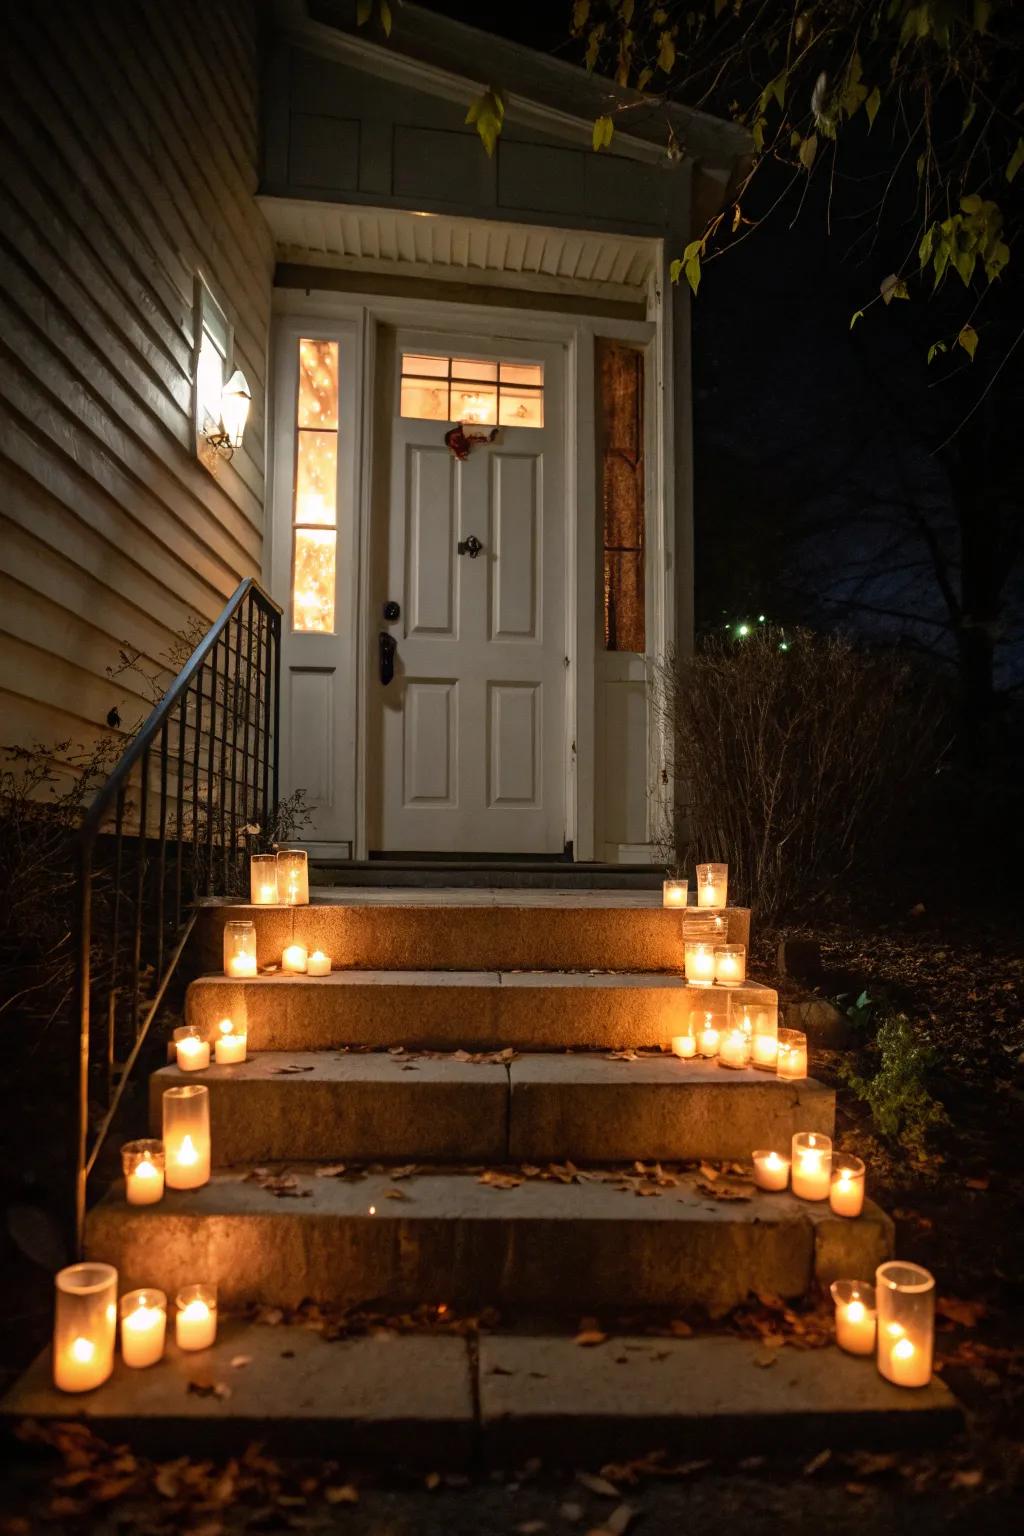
(129,144)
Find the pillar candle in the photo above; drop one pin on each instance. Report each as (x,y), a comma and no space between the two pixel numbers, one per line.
(195,1324)
(318,964)
(771,1170)
(229,1046)
(846,1192)
(734,1049)
(193,1054)
(84,1326)
(294,959)
(143,1327)
(812,1165)
(699,960)
(906,1323)
(855,1316)
(263,879)
(730,965)
(143,1164)
(684,1046)
(187,1136)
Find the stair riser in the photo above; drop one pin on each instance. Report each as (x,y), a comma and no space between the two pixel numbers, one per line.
(494,1116)
(453,938)
(294,1118)
(300,1014)
(561,1266)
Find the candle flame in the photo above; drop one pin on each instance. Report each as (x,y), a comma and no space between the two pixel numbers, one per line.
(894,1330)
(195,1311)
(145,1169)
(904,1350)
(856,1312)
(187,1153)
(142,1318)
(773,1160)
(226,1027)
(83,1350)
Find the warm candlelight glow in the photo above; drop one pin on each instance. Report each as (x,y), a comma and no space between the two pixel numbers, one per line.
(673,893)
(734,1050)
(143,1166)
(846,1195)
(855,1316)
(730,964)
(699,961)
(229,1046)
(318,964)
(240,949)
(143,1327)
(771,1171)
(193,1053)
(906,1323)
(684,1046)
(293,877)
(187,1136)
(710,1037)
(263,879)
(792,1055)
(712,885)
(84,1326)
(812,1165)
(294,959)
(195,1324)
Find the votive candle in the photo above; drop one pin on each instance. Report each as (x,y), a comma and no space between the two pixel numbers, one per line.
(318,964)
(699,963)
(240,949)
(143,1327)
(846,1192)
(710,1038)
(195,1323)
(684,1046)
(263,879)
(674,892)
(812,1165)
(855,1316)
(229,1045)
(771,1170)
(734,1049)
(712,885)
(294,959)
(84,1326)
(192,1051)
(143,1165)
(792,1055)
(730,964)
(906,1323)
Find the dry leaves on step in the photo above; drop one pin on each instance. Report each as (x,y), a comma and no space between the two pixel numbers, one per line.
(532,1527)
(494,1179)
(485,1058)
(396,1194)
(342,1493)
(622,1056)
(966,1313)
(290,1068)
(725,1191)
(405,1172)
(571,1512)
(285,1186)
(238,1362)
(330,1171)
(766,1357)
(591,1336)
(203,1387)
(817,1462)
(616,1523)
(596,1484)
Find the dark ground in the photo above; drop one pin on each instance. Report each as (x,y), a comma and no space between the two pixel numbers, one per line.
(958,1209)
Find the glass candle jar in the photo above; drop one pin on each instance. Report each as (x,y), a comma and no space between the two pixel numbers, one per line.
(143,1327)
(812,1165)
(84,1326)
(712,885)
(263,879)
(707,927)
(684,1046)
(191,1050)
(143,1165)
(699,964)
(906,1323)
(855,1316)
(294,959)
(318,964)
(229,1043)
(673,893)
(293,877)
(708,1022)
(187,1136)
(771,1170)
(734,1048)
(792,1055)
(846,1192)
(195,1322)
(730,964)
(761,1022)
(240,949)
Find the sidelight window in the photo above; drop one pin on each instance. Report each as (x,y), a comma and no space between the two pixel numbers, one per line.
(620,381)
(472,391)
(315,502)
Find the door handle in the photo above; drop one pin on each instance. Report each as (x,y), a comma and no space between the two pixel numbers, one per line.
(387,646)
(470,546)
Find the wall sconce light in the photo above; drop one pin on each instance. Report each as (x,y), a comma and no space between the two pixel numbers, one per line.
(235,400)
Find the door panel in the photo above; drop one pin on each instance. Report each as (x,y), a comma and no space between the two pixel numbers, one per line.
(471,733)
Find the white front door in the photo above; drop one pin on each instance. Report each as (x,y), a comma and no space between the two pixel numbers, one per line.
(469,741)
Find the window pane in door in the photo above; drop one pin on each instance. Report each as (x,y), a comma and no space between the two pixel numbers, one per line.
(475,404)
(425,398)
(316,478)
(522,373)
(469,368)
(318,384)
(313,584)
(521,408)
(436,367)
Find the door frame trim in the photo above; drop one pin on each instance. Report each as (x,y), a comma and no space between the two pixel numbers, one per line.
(576,334)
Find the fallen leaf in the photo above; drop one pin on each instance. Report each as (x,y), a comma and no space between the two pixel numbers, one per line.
(342,1493)
(432,1480)
(330,1170)
(396,1194)
(599,1485)
(619,1519)
(679,1329)
(725,1191)
(591,1337)
(817,1462)
(238,1361)
(981,1181)
(204,1388)
(969,1477)
(966,1313)
(766,1357)
(497,1180)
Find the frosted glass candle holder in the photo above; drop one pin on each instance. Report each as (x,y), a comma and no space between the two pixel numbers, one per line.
(143,1165)
(906,1323)
(187,1136)
(240,949)
(846,1192)
(771,1170)
(195,1322)
(855,1316)
(294,959)
(730,964)
(191,1050)
(708,1022)
(673,893)
(263,879)
(706,927)
(699,964)
(761,1022)
(684,1046)
(812,1165)
(293,877)
(318,964)
(712,885)
(792,1055)
(84,1326)
(734,1048)
(143,1327)
(229,1044)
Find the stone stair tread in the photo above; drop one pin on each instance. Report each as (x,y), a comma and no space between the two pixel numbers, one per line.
(429,1399)
(444,1235)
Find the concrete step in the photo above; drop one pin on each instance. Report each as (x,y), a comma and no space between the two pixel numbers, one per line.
(540,1108)
(476,874)
(448,1237)
(438,1402)
(451,1010)
(464,930)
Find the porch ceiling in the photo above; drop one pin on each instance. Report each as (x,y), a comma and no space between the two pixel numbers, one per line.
(458,249)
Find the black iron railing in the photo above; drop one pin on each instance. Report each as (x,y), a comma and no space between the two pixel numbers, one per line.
(175,821)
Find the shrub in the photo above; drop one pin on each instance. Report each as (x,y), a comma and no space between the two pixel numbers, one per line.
(902,1107)
(791,757)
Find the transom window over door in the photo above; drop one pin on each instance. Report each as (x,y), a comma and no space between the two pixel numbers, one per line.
(474,391)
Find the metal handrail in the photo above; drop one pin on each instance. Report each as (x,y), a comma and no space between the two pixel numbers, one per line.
(232,681)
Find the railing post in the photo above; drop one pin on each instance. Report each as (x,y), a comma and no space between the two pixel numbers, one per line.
(84,947)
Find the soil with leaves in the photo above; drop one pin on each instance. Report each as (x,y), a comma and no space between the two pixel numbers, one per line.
(930,1083)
